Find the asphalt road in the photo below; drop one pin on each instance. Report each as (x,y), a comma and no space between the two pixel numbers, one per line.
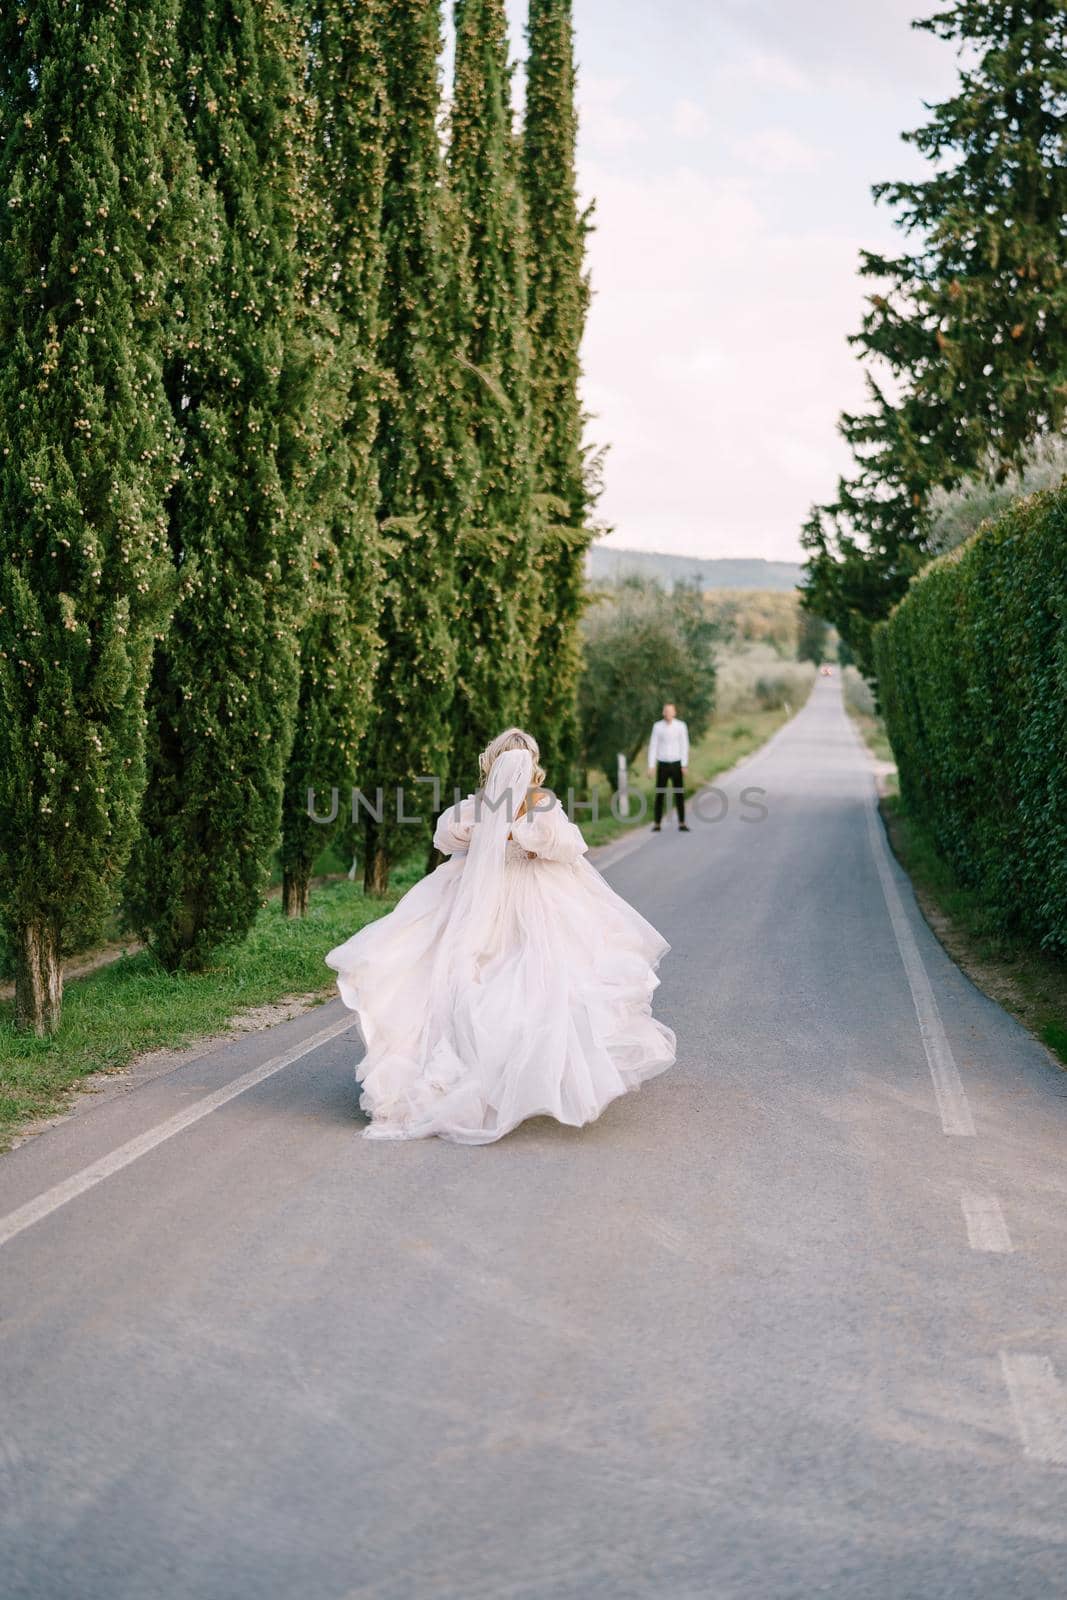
(789,1322)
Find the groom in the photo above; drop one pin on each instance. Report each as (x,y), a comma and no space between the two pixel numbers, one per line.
(668,758)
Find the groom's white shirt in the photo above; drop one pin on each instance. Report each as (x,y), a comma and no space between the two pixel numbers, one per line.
(669,742)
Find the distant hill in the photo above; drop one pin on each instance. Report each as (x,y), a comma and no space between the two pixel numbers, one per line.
(605,565)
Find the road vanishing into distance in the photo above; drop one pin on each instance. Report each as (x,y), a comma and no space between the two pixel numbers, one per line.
(788,1322)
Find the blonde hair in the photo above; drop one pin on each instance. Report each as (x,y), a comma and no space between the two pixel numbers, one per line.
(512,739)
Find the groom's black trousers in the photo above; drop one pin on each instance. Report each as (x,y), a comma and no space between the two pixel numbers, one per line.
(669,772)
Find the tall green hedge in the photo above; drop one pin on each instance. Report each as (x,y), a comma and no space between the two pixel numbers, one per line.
(558,299)
(95,242)
(972,672)
(246,387)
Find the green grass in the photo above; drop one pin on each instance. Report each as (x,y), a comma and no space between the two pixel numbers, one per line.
(872,731)
(1054,1034)
(725,742)
(860,705)
(133,1005)
(1010,969)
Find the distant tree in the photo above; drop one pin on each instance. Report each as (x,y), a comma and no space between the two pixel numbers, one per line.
(246,389)
(970,326)
(642,648)
(813,640)
(494,574)
(955,514)
(97,207)
(756,616)
(558,301)
(339,642)
(421,449)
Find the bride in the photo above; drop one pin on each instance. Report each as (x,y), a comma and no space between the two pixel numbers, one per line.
(512,982)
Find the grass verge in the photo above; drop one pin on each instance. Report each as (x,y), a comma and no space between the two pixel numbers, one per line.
(1022,978)
(872,732)
(132,1005)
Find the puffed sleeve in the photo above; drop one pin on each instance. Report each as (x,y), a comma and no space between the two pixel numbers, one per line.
(454,826)
(545,830)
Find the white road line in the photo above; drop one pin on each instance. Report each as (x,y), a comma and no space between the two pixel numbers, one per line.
(51,1200)
(948,1086)
(986,1228)
(1039,1402)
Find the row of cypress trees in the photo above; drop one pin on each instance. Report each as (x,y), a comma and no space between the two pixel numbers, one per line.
(291,484)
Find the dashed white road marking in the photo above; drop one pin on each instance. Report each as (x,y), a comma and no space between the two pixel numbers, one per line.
(986,1228)
(951,1100)
(35,1210)
(1039,1402)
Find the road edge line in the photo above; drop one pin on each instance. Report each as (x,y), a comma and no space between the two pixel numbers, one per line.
(60,1194)
(952,1104)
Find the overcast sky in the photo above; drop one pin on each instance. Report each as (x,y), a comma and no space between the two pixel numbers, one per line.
(730,146)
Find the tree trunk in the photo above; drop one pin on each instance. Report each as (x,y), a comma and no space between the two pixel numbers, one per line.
(375,860)
(296,887)
(38,978)
(434,857)
(376,871)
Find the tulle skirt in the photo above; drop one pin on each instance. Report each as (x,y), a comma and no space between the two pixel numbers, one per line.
(558,1021)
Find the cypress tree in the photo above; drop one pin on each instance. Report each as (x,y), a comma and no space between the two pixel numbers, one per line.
(558,301)
(339,643)
(225,681)
(421,458)
(96,193)
(421,454)
(494,557)
(971,323)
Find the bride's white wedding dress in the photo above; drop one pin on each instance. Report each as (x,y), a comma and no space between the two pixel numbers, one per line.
(511,982)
